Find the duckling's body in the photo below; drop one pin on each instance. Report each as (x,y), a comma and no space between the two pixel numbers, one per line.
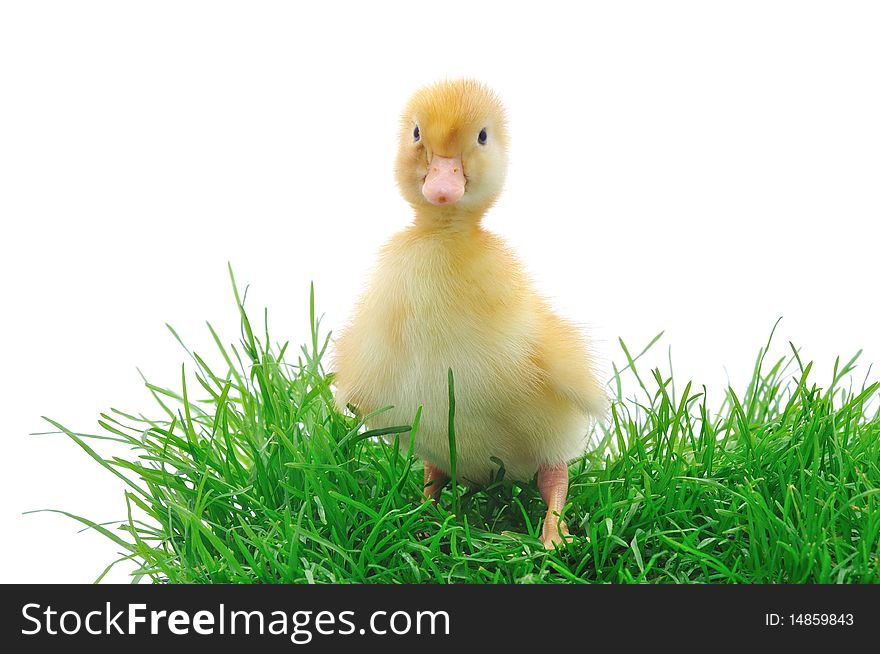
(444,298)
(448,294)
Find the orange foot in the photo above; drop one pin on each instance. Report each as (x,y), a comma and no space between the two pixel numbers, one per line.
(554,532)
(435,480)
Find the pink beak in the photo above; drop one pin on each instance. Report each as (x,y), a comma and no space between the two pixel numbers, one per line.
(445,181)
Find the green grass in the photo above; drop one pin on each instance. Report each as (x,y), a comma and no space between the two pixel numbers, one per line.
(262,480)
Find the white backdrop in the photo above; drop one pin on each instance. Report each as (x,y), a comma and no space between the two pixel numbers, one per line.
(698,167)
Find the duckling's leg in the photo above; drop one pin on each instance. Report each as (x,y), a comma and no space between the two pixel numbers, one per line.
(435,480)
(553,484)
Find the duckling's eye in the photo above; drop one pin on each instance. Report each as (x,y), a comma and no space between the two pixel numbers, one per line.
(481,139)
(416,134)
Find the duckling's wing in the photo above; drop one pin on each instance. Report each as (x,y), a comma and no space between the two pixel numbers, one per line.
(569,366)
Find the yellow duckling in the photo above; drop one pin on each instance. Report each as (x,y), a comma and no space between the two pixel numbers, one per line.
(448,294)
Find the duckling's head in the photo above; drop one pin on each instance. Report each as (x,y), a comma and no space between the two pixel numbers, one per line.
(452,158)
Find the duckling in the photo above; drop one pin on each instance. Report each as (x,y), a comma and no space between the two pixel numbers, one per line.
(445,294)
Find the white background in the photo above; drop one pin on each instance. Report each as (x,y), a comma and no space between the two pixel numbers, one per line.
(698,167)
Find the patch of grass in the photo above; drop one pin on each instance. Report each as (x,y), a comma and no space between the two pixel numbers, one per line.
(263,480)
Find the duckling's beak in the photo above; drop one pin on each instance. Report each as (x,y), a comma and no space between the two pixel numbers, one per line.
(444,183)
